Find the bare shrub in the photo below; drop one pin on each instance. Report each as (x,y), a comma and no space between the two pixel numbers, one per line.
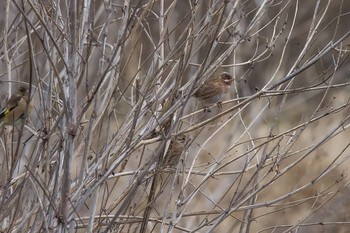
(112,85)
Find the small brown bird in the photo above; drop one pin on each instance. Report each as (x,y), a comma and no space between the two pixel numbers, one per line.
(172,157)
(16,107)
(213,90)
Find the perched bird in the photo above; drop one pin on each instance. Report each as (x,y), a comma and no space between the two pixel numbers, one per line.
(213,90)
(16,107)
(172,157)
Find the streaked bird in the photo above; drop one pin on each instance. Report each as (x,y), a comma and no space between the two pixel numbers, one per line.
(213,90)
(17,107)
(172,157)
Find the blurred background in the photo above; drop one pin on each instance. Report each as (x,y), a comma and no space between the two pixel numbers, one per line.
(112,86)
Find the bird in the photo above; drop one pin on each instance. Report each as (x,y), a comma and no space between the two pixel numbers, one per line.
(172,156)
(213,90)
(17,107)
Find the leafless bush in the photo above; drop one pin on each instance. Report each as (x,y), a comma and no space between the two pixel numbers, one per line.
(112,85)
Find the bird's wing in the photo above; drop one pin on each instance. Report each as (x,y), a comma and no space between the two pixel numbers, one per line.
(13,101)
(11,104)
(208,90)
(3,113)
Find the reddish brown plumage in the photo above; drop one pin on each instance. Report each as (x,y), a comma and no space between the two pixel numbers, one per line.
(214,89)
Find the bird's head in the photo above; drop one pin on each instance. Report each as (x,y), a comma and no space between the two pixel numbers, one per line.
(181,138)
(226,78)
(23,88)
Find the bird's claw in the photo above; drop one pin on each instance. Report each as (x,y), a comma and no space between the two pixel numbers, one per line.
(207,109)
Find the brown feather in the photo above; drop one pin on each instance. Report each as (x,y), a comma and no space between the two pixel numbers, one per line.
(174,152)
(214,89)
(16,106)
